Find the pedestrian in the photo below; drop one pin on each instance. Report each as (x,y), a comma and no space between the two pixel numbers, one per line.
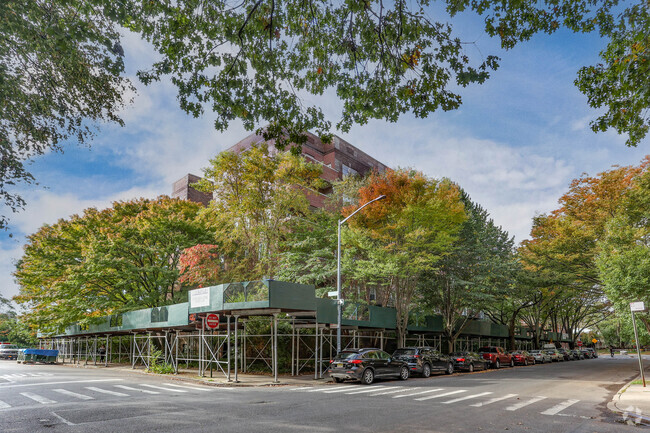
(102,352)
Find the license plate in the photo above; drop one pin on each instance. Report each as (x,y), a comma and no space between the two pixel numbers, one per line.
(339,365)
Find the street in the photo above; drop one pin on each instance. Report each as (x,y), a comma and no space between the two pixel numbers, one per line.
(564,397)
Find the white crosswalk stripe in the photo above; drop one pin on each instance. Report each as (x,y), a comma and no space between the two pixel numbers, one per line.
(373,389)
(559,407)
(445,394)
(393,391)
(128,388)
(38,398)
(319,389)
(494,400)
(162,387)
(106,391)
(195,388)
(467,397)
(73,394)
(418,393)
(341,389)
(524,403)
(4,405)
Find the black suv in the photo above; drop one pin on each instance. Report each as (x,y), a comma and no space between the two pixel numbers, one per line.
(423,360)
(366,365)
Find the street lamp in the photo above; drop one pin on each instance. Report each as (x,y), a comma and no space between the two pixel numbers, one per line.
(339,301)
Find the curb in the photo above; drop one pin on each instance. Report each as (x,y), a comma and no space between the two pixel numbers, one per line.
(627,417)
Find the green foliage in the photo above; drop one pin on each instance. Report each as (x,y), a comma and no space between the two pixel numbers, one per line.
(158,365)
(60,66)
(106,262)
(12,328)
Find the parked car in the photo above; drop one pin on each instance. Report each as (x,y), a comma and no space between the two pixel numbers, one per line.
(366,365)
(593,352)
(8,351)
(587,354)
(568,356)
(577,354)
(496,356)
(522,357)
(469,361)
(423,360)
(541,357)
(554,354)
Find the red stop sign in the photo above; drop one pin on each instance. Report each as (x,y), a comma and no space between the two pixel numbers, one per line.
(579,343)
(212,321)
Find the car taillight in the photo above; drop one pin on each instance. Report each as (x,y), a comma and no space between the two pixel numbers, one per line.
(355,361)
(460,359)
(416,356)
(331,360)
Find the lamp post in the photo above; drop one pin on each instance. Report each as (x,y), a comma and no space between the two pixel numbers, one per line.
(339,300)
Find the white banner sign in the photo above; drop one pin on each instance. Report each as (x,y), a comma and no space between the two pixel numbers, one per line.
(200,297)
(637,306)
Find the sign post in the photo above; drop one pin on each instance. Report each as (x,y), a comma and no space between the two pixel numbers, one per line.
(637,306)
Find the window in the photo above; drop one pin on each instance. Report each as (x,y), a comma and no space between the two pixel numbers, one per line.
(347,171)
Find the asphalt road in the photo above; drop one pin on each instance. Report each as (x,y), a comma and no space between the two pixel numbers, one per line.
(564,397)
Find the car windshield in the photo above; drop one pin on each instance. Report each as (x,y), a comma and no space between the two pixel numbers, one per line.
(535,351)
(400,352)
(8,346)
(347,355)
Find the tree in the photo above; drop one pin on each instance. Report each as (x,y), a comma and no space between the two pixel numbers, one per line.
(406,234)
(624,258)
(258,199)
(478,267)
(60,67)
(105,262)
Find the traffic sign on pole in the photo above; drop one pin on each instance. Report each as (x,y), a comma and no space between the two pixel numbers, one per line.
(579,343)
(212,321)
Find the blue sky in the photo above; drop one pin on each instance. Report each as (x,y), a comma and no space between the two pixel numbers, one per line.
(514,145)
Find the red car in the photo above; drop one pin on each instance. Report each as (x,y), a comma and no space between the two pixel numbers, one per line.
(496,356)
(521,357)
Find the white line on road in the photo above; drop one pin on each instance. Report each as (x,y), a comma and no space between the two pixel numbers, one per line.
(342,389)
(299,389)
(73,394)
(318,389)
(373,389)
(57,383)
(4,405)
(105,391)
(456,400)
(63,420)
(525,403)
(429,397)
(162,387)
(559,407)
(38,398)
(128,388)
(419,393)
(195,388)
(394,390)
(494,400)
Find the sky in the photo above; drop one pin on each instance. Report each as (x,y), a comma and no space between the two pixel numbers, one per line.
(514,145)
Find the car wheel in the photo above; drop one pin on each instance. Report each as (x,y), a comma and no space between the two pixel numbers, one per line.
(512,363)
(426,370)
(497,364)
(471,368)
(534,361)
(525,362)
(404,373)
(450,368)
(338,380)
(368,377)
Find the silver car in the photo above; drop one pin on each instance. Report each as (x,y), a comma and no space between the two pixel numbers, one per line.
(555,355)
(541,356)
(8,351)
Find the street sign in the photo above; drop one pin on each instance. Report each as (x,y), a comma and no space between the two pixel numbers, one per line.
(333,294)
(637,306)
(594,341)
(579,343)
(212,321)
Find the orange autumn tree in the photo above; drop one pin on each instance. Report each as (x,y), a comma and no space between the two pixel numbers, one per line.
(399,238)
(201,265)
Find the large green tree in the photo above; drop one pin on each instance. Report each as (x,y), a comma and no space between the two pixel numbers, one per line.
(104,262)
(60,68)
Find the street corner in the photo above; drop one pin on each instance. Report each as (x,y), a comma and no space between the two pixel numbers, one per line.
(632,404)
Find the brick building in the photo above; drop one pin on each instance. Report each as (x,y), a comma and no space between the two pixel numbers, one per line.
(338,158)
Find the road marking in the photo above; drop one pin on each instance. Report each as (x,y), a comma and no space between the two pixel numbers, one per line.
(162,387)
(373,389)
(394,391)
(418,393)
(105,391)
(429,397)
(195,388)
(559,407)
(38,398)
(299,389)
(318,389)
(494,400)
(58,383)
(73,394)
(63,420)
(4,405)
(525,403)
(456,400)
(342,389)
(128,388)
